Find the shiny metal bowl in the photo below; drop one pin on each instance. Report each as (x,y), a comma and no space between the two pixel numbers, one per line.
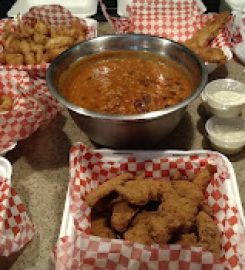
(128,131)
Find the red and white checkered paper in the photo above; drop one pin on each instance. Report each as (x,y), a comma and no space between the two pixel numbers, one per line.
(89,168)
(16,229)
(54,15)
(177,20)
(33,106)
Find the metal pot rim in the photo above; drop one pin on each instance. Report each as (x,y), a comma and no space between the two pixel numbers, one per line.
(137,117)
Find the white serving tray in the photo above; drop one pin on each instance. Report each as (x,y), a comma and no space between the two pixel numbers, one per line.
(122,6)
(5,168)
(82,8)
(67,225)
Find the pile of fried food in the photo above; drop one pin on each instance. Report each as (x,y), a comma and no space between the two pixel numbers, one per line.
(38,42)
(6,103)
(200,42)
(155,211)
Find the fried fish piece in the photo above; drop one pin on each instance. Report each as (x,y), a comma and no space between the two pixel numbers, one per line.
(187,240)
(208,233)
(122,214)
(99,227)
(106,188)
(211,55)
(209,31)
(60,41)
(141,191)
(139,229)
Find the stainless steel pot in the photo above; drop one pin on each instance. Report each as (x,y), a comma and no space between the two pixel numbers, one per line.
(131,131)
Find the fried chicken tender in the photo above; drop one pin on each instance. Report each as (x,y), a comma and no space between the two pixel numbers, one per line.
(206,208)
(188,190)
(122,214)
(99,227)
(175,214)
(204,176)
(139,229)
(141,191)
(187,240)
(106,188)
(209,236)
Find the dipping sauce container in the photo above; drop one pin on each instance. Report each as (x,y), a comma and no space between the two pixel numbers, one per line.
(226,135)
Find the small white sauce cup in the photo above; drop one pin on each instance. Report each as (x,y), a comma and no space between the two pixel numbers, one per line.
(224,141)
(229,108)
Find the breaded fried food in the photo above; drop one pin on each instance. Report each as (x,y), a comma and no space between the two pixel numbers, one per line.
(203,177)
(175,214)
(208,233)
(211,55)
(187,240)
(206,208)
(206,34)
(106,188)
(188,190)
(141,191)
(139,229)
(31,42)
(6,103)
(99,227)
(122,214)
(200,41)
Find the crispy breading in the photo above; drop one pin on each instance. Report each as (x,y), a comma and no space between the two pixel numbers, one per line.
(139,229)
(175,214)
(189,190)
(106,188)
(206,208)
(140,191)
(99,227)
(200,41)
(211,55)
(209,236)
(211,29)
(122,214)
(187,240)
(203,177)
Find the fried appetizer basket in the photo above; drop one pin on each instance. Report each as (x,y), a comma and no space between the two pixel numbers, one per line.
(179,21)
(32,41)
(32,106)
(77,248)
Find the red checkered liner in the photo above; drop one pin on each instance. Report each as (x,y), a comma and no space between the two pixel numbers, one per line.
(54,15)
(33,106)
(16,229)
(90,168)
(177,20)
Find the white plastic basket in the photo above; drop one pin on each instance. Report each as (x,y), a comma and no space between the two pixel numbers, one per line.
(82,9)
(5,168)
(67,226)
